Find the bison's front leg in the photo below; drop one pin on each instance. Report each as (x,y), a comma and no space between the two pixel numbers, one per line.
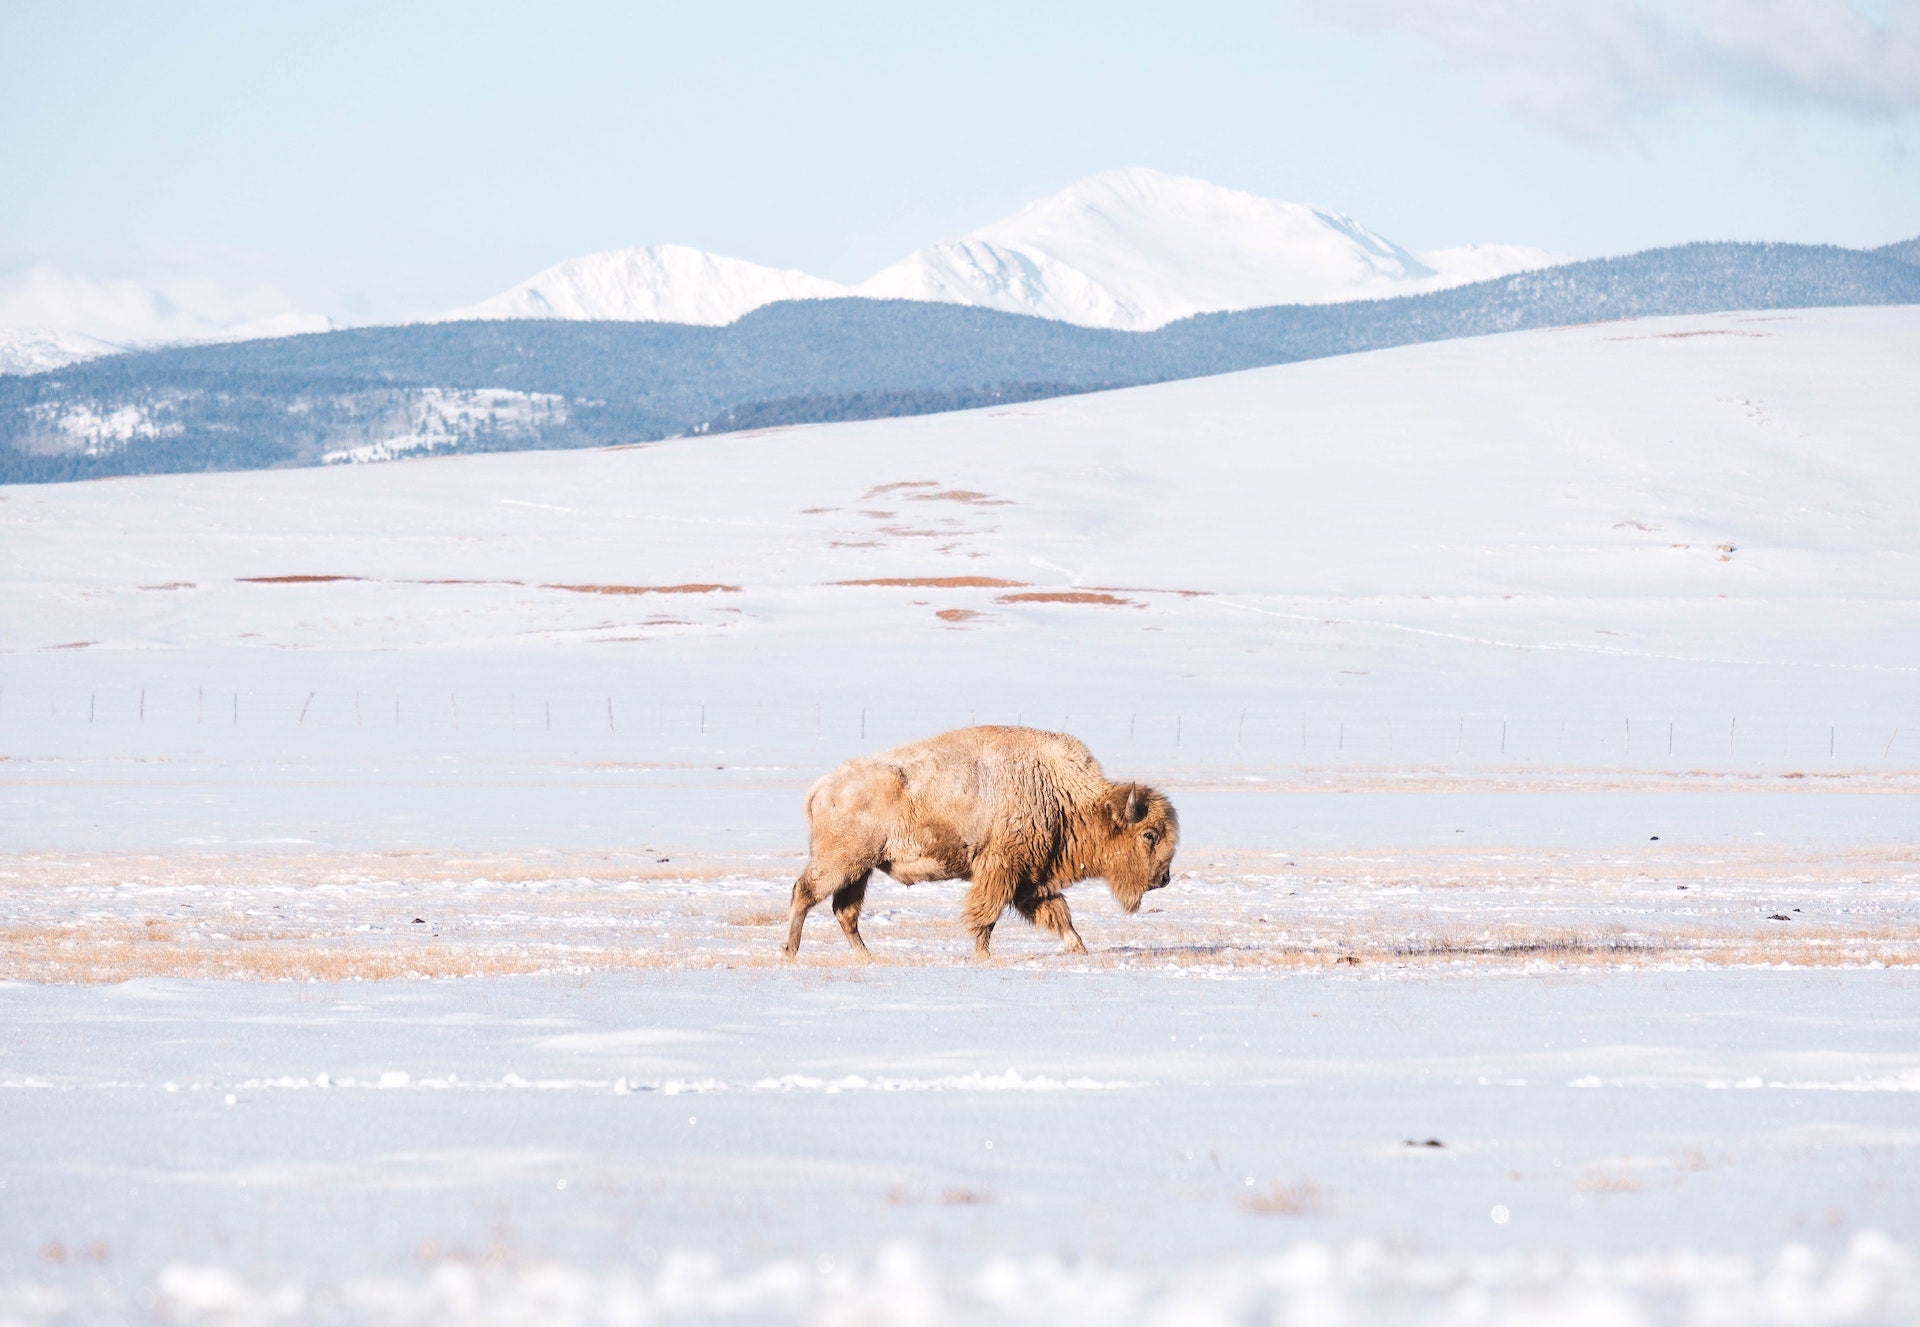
(993,889)
(1051,912)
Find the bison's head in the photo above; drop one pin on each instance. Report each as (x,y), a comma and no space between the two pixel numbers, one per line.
(1139,852)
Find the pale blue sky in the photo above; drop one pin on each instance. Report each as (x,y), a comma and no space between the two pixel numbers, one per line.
(422,155)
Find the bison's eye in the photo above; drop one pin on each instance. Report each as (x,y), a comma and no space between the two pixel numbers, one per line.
(1150,837)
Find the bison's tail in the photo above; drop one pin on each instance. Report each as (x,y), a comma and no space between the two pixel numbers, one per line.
(813,794)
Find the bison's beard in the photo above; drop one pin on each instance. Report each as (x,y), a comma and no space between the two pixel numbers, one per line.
(1130,891)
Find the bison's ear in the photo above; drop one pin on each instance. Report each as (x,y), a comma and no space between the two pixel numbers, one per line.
(1128,804)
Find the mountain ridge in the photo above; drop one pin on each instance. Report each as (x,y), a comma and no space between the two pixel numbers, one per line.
(435,388)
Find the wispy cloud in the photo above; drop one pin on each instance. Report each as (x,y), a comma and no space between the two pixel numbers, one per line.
(1587,67)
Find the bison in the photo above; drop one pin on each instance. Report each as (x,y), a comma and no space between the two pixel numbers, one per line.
(1019,813)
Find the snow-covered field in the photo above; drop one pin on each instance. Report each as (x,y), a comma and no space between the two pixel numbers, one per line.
(1540,710)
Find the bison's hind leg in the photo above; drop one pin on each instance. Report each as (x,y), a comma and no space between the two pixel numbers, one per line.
(846,909)
(806,893)
(848,894)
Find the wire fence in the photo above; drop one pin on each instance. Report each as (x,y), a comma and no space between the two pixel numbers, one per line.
(617,725)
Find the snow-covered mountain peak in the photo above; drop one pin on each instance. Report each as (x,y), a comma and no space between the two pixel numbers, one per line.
(1149,210)
(652,283)
(50,316)
(1138,248)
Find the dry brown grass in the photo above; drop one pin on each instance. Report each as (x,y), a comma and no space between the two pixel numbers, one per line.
(1620,1180)
(957,614)
(895,487)
(1300,1198)
(347,916)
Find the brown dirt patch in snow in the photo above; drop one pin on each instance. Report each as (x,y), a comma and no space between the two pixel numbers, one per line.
(878,489)
(1148,589)
(295,580)
(966,495)
(956,615)
(940,583)
(697,588)
(1066,597)
(1681,336)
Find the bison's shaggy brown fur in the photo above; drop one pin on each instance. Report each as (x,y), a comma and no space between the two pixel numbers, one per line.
(1019,813)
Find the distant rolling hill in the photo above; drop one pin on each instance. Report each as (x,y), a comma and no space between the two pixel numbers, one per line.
(370,394)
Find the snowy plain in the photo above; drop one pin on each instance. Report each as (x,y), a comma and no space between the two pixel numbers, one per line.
(1541,712)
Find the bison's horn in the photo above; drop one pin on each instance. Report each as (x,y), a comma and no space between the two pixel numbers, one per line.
(1136,804)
